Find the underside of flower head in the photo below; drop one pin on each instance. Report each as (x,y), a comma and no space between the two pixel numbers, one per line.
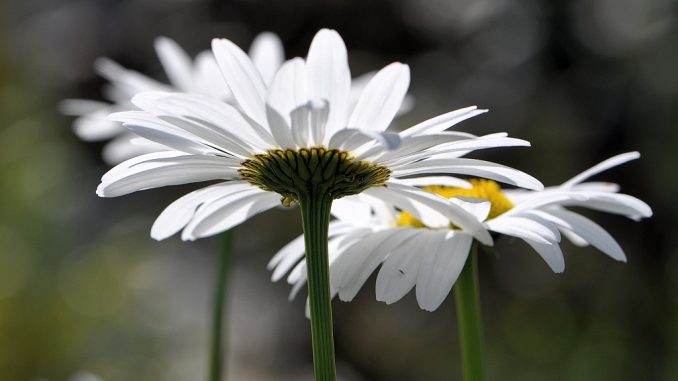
(291,173)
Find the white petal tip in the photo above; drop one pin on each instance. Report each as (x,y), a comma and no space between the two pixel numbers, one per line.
(161,40)
(485,238)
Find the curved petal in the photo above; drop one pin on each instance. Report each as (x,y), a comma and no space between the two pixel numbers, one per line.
(398,273)
(309,122)
(227,212)
(289,88)
(589,231)
(423,181)
(439,269)
(207,111)
(267,54)
(471,167)
(601,167)
(177,64)
(550,253)
(524,228)
(329,76)
(161,169)
(365,256)
(127,146)
(402,196)
(242,78)
(179,213)
(381,99)
(442,122)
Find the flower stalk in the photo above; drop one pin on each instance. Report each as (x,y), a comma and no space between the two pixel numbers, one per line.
(468,317)
(315,210)
(217,345)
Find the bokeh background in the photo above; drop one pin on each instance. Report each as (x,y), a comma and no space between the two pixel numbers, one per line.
(84,291)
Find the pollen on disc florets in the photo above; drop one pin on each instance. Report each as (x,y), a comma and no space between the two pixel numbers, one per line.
(480,188)
(292,173)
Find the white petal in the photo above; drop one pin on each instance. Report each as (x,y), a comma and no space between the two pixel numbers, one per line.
(168,134)
(329,76)
(470,167)
(448,181)
(287,257)
(180,212)
(212,136)
(604,201)
(208,78)
(414,146)
(590,232)
(398,273)
(575,239)
(352,210)
(161,169)
(439,269)
(478,207)
(127,146)
(524,228)
(381,99)
(280,129)
(596,186)
(96,126)
(207,111)
(268,54)
(289,88)
(242,78)
(177,64)
(129,82)
(603,166)
(78,107)
(227,212)
(457,149)
(442,122)
(308,123)
(403,197)
(351,139)
(551,254)
(368,253)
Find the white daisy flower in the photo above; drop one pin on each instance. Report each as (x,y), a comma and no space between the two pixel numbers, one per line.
(200,75)
(296,137)
(431,254)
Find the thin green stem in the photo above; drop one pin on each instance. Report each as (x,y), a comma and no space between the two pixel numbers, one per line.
(217,346)
(315,211)
(468,315)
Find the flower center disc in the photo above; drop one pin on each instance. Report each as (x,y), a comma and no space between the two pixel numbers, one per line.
(291,173)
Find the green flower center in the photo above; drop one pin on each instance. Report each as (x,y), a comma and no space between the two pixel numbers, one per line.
(292,173)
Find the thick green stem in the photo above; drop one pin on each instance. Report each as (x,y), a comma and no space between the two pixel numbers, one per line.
(217,351)
(468,315)
(315,211)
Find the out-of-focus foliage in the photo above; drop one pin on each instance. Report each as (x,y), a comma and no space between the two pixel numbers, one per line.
(82,286)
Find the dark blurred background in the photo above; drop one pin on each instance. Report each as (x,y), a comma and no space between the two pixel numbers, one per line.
(84,289)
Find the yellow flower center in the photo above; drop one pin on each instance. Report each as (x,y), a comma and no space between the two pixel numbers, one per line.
(480,188)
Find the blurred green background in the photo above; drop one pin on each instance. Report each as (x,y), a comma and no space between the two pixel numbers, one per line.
(84,288)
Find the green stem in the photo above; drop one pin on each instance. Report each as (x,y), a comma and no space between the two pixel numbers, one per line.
(217,351)
(315,211)
(468,316)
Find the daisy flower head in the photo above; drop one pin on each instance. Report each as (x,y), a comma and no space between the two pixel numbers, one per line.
(296,138)
(429,253)
(198,75)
